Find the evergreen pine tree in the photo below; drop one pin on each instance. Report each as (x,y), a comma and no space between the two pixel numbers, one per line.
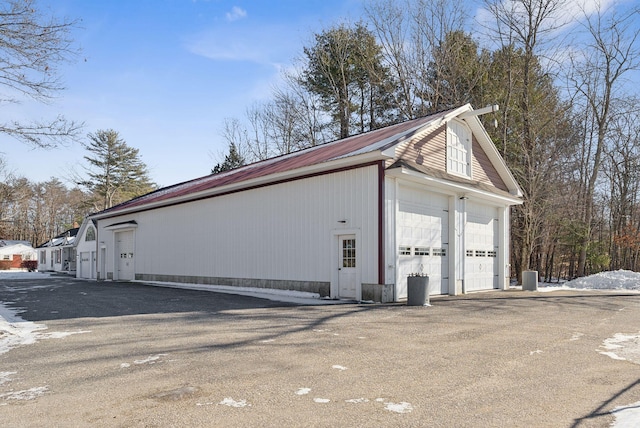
(231,161)
(115,173)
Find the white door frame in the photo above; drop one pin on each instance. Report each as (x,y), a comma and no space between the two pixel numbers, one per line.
(116,256)
(335,256)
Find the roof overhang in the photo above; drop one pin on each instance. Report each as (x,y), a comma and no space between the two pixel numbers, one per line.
(446,186)
(343,162)
(125,225)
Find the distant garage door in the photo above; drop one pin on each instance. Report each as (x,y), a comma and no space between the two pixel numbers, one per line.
(481,245)
(125,255)
(422,239)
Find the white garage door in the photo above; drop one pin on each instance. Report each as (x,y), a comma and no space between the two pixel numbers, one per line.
(124,254)
(481,245)
(422,239)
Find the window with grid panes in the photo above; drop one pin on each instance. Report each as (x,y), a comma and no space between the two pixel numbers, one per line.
(349,253)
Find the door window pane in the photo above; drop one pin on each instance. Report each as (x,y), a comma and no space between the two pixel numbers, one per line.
(349,253)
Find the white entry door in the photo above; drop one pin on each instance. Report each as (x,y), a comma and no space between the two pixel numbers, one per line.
(85,267)
(347,268)
(125,255)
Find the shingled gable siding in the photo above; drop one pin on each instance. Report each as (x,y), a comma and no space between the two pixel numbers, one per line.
(483,170)
(431,151)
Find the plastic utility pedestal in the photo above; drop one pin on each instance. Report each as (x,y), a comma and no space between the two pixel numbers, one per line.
(530,280)
(418,290)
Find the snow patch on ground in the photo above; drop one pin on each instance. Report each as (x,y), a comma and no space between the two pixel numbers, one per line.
(27,394)
(151,359)
(6,377)
(622,347)
(233,403)
(357,400)
(287,296)
(626,416)
(618,280)
(402,407)
(14,331)
(22,274)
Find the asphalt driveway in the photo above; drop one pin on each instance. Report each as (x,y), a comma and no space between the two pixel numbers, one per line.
(130,355)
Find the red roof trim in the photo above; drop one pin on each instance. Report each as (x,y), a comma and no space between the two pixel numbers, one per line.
(356,144)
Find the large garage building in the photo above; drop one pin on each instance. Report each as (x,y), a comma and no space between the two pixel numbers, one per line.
(350,219)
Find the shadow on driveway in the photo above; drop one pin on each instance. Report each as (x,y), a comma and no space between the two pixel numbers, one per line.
(66,298)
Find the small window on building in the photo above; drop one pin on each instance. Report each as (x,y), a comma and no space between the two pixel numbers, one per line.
(440,252)
(348,253)
(58,256)
(492,254)
(458,149)
(404,251)
(481,253)
(43,257)
(421,251)
(469,253)
(6,257)
(91,234)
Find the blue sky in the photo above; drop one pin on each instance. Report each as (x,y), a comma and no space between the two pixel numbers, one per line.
(166,73)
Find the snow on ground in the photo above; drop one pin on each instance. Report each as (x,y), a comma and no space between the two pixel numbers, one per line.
(619,280)
(289,296)
(22,274)
(622,346)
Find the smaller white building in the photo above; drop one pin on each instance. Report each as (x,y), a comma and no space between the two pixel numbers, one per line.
(58,254)
(86,248)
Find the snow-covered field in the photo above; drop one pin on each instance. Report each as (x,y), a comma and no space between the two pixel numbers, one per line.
(14,331)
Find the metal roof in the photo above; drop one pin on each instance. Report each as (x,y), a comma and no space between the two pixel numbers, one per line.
(367,142)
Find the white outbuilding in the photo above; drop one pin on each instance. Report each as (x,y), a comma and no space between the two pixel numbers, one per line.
(86,251)
(350,219)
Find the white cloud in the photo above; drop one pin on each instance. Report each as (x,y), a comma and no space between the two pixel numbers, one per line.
(270,44)
(236,13)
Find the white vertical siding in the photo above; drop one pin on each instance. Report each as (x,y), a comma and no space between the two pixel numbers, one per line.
(281,231)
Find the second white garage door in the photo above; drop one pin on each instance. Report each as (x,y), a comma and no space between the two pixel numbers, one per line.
(481,245)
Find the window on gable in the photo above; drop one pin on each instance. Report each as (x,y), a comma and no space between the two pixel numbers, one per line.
(458,149)
(91,234)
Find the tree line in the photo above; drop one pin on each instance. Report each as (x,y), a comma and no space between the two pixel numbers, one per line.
(562,75)
(38,211)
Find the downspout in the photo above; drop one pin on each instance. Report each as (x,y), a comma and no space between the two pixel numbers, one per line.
(381,218)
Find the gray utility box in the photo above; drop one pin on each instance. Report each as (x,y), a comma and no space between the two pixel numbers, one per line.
(418,290)
(530,280)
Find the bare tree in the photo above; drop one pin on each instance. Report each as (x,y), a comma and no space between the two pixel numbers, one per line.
(410,32)
(622,168)
(597,75)
(522,26)
(32,45)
